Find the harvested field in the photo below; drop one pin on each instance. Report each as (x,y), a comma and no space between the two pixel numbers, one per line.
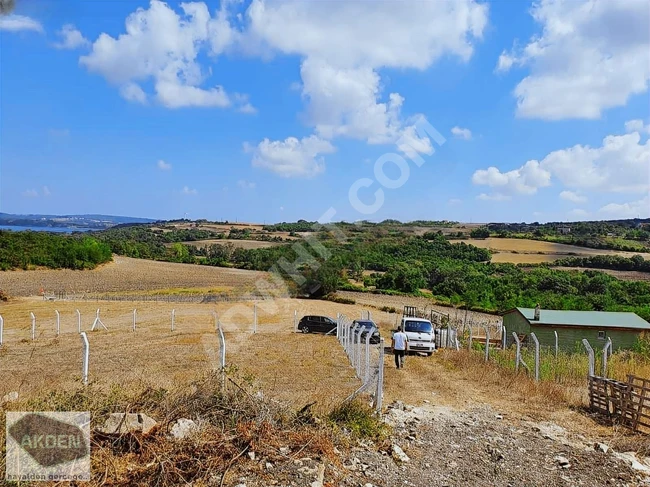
(125,274)
(240,244)
(622,275)
(522,251)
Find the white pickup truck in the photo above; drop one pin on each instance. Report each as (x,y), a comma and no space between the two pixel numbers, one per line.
(420,334)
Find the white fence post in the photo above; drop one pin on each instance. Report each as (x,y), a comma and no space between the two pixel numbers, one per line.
(33,326)
(86,358)
(487,343)
(254,317)
(557,343)
(98,321)
(504,335)
(222,346)
(58,323)
(2,326)
(78,321)
(135,313)
(367,374)
(518,353)
(357,364)
(611,350)
(379,395)
(592,359)
(173,318)
(534,337)
(605,351)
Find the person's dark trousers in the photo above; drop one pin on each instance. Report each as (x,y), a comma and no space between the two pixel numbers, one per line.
(399,358)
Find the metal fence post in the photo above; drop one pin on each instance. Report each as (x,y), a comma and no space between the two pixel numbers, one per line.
(504,336)
(366,376)
(173,318)
(352,343)
(518,353)
(222,354)
(2,326)
(534,337)
(592,360)
(135,311)
(359,353)
(86,357)
(58,323)
(557,343)
(611,345)
(78,321)
(33,326)
(379,395)
(487,343)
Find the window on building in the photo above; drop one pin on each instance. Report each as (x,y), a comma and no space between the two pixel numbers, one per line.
(601,335)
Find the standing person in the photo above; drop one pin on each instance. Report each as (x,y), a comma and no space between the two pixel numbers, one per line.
(400,345)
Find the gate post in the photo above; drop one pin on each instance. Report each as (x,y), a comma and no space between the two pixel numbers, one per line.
(534,337)
(592,360)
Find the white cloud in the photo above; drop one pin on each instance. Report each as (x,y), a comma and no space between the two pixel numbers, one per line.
(493,197)
(71,38)
(621,164)
(133,92)
(16,23)
(293,157)
(637,126)
(590,56)
(164,166)
(163,46)
(242,183)
(573,197)
(634,209)
(30,193)
(344,44)
(46,191)
(454,202)
(189,191)
(578,214)
(525,180)
(461,133)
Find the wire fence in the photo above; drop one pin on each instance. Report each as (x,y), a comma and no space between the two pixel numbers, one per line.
(365,357)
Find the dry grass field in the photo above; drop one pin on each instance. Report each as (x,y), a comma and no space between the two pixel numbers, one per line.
(125,274)
(240,244)
(524,251)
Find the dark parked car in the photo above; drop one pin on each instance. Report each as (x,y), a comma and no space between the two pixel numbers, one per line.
(368,325)
(322,324)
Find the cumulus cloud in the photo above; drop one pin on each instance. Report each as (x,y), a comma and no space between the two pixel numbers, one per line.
(461,133)
(71,38)
(637,126)
(590,56)
(634,209)
(292,157)
(164,166)
(493,197)
(573,197)
(620,164)
(17,23)
(162,46)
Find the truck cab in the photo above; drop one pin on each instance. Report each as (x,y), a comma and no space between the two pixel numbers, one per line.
(420,334)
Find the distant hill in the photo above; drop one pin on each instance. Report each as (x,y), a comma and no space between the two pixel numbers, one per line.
(58,221)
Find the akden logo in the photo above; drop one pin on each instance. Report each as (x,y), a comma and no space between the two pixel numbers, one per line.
(48,446)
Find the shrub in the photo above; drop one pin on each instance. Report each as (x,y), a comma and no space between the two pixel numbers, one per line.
(360,419)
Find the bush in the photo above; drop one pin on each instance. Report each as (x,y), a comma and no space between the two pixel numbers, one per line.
(360,419)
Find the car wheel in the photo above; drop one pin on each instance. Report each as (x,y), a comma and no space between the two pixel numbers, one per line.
(305,329)
(429,354)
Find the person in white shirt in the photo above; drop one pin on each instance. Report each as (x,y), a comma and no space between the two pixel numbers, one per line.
(400,345)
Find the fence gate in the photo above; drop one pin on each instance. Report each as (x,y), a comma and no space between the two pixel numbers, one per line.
(628,403)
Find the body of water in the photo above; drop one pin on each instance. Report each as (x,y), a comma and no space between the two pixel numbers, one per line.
(46,229)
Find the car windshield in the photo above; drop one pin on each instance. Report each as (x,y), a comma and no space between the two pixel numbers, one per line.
(366,324)
(418,326)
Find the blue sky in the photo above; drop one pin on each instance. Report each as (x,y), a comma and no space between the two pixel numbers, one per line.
(271,110)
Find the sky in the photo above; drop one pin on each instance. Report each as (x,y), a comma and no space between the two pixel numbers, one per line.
(279,110)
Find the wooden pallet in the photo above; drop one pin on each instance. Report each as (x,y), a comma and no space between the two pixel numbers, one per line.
(627,403)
